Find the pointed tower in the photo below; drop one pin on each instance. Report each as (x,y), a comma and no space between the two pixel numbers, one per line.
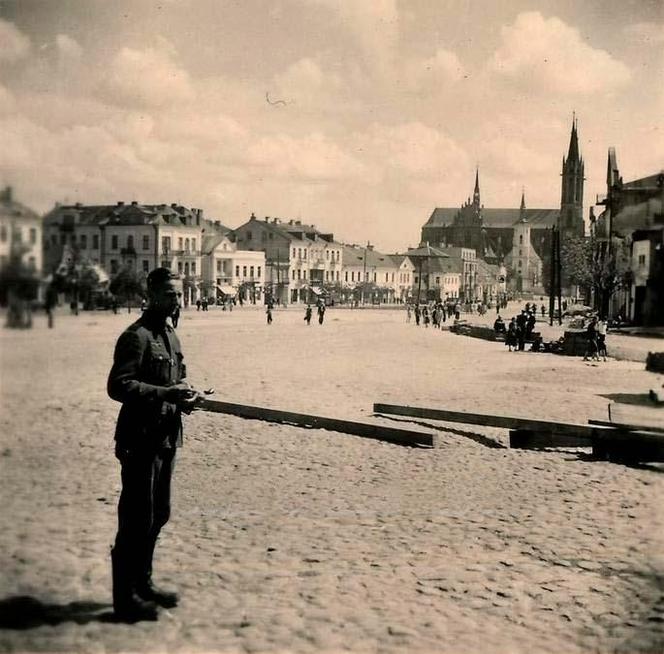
(522,250)
(571,200)
(476,192)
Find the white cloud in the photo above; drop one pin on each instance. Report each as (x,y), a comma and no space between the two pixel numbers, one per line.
(548,54)
(433,74)
(313,158)
(68,47)
(14,45)
(149,77)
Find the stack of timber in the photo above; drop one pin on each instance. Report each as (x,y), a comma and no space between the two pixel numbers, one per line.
(367,430)
(609,440)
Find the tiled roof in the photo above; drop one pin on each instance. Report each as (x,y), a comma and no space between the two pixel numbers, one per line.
(538,218)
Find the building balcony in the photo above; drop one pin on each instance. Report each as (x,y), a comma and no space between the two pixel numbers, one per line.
(185,253)
(128,252)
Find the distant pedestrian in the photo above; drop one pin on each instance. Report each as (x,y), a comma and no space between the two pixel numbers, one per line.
(321,313)
(591,336)
(198,305)
(204,304)
(50,303)
(510,338)
(601,339)
(307,315)
(408,312)
(543,308)
(425,315)
(268,313)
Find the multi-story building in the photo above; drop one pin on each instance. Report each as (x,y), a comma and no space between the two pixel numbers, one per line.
(405,277)
(229,272)
(300,260)
(134,236)
(631,230)
(369,275)
(20,233)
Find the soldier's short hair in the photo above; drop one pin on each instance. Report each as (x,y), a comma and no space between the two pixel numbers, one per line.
(158,277)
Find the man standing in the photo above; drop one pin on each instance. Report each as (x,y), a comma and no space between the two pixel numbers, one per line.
(147,378)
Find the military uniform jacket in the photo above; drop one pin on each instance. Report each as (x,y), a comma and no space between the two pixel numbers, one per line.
(147,360)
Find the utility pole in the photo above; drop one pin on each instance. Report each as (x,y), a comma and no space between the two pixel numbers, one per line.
(364,271)
(552,275)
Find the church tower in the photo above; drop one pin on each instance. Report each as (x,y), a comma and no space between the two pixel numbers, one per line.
(476,192)
(570,222)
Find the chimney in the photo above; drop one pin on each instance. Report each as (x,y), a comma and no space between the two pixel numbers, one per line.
(6,195)
(173,205)
(253,216)
(298,222)
(120,204)
(275,221)
(217,223)
(290,222)
(78,205)
(134,203)
(267,219)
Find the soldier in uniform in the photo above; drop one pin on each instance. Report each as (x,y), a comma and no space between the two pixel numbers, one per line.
(147,377)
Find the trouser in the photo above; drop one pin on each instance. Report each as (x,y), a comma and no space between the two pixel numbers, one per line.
(144,508)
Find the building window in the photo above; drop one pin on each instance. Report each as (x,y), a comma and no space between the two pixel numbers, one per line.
(258,272)
(146,242)
(387,277)
(218,266)
(248,235)
(130,242)
(374,277)
(244,271)
(293,275)
(304,274)
(114,242)
(294,255)
(299,274)
(520,239)
(193,267)
(237,271)
(186,245)
(642,260)
(193,245)
(114,266)
(17,235)
(346,276)
(165,244)
(95,241)
(84,241)
(33,235)
(186,269)
(251,272)
(437,281)
(180,246)
(305,254)
(337,275)
(352,276)
(180,267)
(146,266)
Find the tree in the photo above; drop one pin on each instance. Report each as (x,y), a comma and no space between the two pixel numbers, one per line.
(127,285)
(597,266)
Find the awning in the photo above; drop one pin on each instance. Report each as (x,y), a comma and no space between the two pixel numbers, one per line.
(318,290)
(226,290)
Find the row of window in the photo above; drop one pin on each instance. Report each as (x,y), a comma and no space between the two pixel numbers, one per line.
(17,234)
(184,244)
(334,256)
(32,262)
(244,271)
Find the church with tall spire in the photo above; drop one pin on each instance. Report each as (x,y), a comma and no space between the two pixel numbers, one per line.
(518,237)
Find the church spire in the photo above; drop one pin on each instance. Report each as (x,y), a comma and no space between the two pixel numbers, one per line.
(522,208)
(573,153)
(476,192)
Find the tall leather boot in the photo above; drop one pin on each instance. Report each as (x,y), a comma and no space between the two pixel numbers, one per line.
(127,604)
(146,589)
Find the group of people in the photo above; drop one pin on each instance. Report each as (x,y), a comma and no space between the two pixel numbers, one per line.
(320,310)
(435,313)
(596,339)
(519,330)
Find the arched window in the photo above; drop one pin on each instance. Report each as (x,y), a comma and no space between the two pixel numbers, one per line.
(520,239)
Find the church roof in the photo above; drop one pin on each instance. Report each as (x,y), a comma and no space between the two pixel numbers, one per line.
(538,218)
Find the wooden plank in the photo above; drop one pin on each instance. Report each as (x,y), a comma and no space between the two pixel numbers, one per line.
(486,420)
(367,430)
(628,450)
(621,426)
(532,440)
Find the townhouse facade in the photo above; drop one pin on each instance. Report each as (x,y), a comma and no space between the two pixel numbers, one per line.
(230,273)
(20,233)
(129,236)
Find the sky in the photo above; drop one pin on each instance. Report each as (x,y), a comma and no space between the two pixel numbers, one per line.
(359,116)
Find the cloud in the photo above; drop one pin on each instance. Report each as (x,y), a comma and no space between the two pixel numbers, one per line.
(645,33)
(150,78)
(14,45)
(550,55)
(68,47)
(434,73)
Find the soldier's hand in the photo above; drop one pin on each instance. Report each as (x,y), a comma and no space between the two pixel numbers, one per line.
(188,404)
(179,393)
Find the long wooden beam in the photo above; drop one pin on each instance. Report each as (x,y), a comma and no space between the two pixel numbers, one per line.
(379,432)
(624,427)
(487,420)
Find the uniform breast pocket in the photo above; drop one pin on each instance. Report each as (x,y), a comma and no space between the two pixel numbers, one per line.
(160,365)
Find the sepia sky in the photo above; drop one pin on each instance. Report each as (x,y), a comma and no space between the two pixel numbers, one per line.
(359,116)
